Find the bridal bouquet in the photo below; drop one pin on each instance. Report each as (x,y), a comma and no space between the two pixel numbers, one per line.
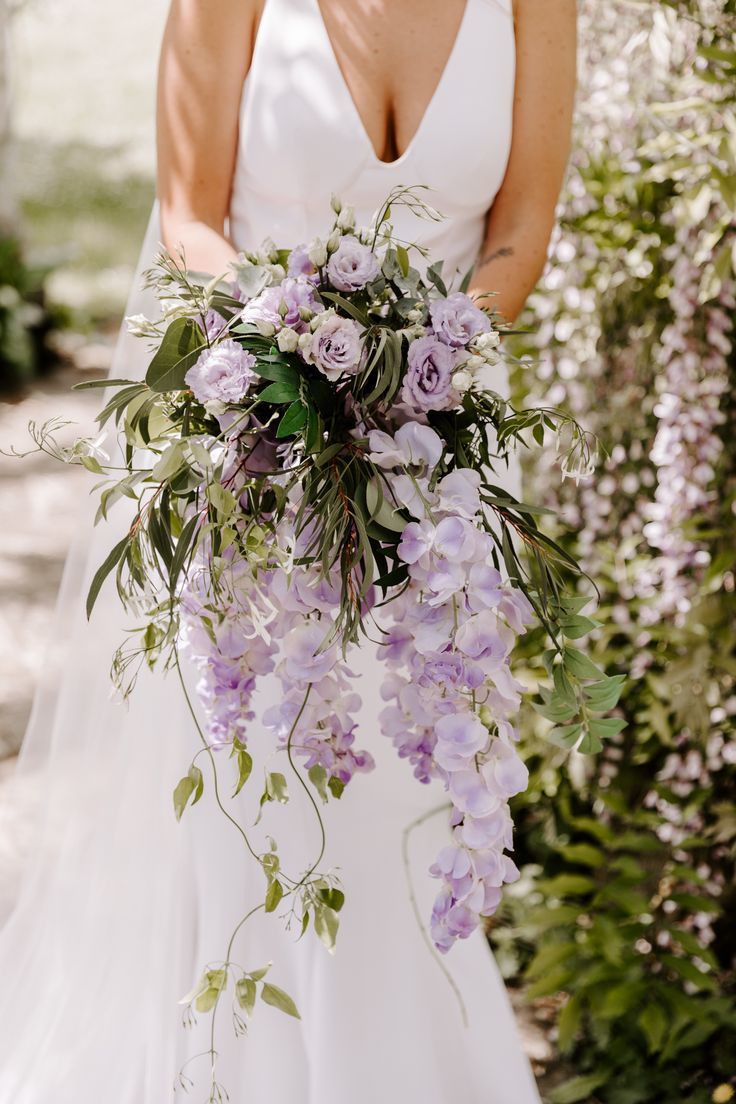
(312,459)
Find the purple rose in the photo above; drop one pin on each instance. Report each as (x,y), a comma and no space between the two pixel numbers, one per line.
(335,347)
(279,305)
(222,373)
(456,320)
(352,265)
(428,379)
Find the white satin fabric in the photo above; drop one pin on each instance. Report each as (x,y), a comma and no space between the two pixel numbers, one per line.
(120,907)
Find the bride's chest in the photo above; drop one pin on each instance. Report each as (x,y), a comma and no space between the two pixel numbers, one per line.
(311,123)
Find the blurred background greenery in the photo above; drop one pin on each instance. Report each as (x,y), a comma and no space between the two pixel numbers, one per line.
(620,933)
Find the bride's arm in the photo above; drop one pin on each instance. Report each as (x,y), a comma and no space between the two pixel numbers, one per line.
(522,217)
(204,60)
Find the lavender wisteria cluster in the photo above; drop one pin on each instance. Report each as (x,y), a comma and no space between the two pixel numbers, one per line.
(312,459)
(449,687)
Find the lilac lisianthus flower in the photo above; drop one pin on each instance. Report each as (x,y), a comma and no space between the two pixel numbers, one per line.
(279,305)
(428,380)
(223,373)
(456,320)
(300,263)
(352,265)
(335,347)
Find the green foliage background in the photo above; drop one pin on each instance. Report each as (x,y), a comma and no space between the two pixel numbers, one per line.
(623,920)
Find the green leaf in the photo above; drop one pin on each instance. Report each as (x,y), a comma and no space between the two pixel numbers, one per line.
(402,257)
(277,998)
(579,665)
(278,393)
(245,765)
(245,991)
(318,777)
(326,924)
(564,736)
(213,983)
(569,1022)
(293,420)
(583,853)
(653,1021)
(333,898)
(606,727)
(278,373)
(181,348)
(276,787)
(274,895)
(578,1088)
(336,786)
(191,786)
(103,571)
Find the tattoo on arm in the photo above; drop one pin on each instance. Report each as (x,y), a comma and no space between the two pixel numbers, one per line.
(504,251)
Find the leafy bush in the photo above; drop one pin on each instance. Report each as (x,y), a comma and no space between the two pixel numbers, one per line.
(622,916)
(24,320)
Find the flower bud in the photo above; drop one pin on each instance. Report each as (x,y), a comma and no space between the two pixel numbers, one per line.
(336,203)
(287,340)
(346,219)
(462,381)
(265,329)
(333,241)
(317,253)
(305,314)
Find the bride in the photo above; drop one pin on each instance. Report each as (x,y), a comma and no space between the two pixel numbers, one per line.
(266,107)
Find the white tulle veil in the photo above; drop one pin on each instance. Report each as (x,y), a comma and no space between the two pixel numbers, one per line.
(91,801)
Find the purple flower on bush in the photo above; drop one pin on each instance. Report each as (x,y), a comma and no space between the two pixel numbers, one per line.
(335,347)
(428,379)
(456,320)
(223,373)
(352,265)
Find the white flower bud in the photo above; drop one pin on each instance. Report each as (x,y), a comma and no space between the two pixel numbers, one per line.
(333,241)
(336,203)
(346,219)
(287,340)
(306,314)
(486,342)
(416,314)
(317,253)
(305,344)
(265,329)
(474,363)
(462,381)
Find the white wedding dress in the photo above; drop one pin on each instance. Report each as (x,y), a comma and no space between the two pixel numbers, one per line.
(120,907)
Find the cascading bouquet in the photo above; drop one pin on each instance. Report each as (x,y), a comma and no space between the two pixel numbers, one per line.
(312,455)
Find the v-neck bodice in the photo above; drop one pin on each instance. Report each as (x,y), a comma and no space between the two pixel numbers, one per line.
(302,137)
